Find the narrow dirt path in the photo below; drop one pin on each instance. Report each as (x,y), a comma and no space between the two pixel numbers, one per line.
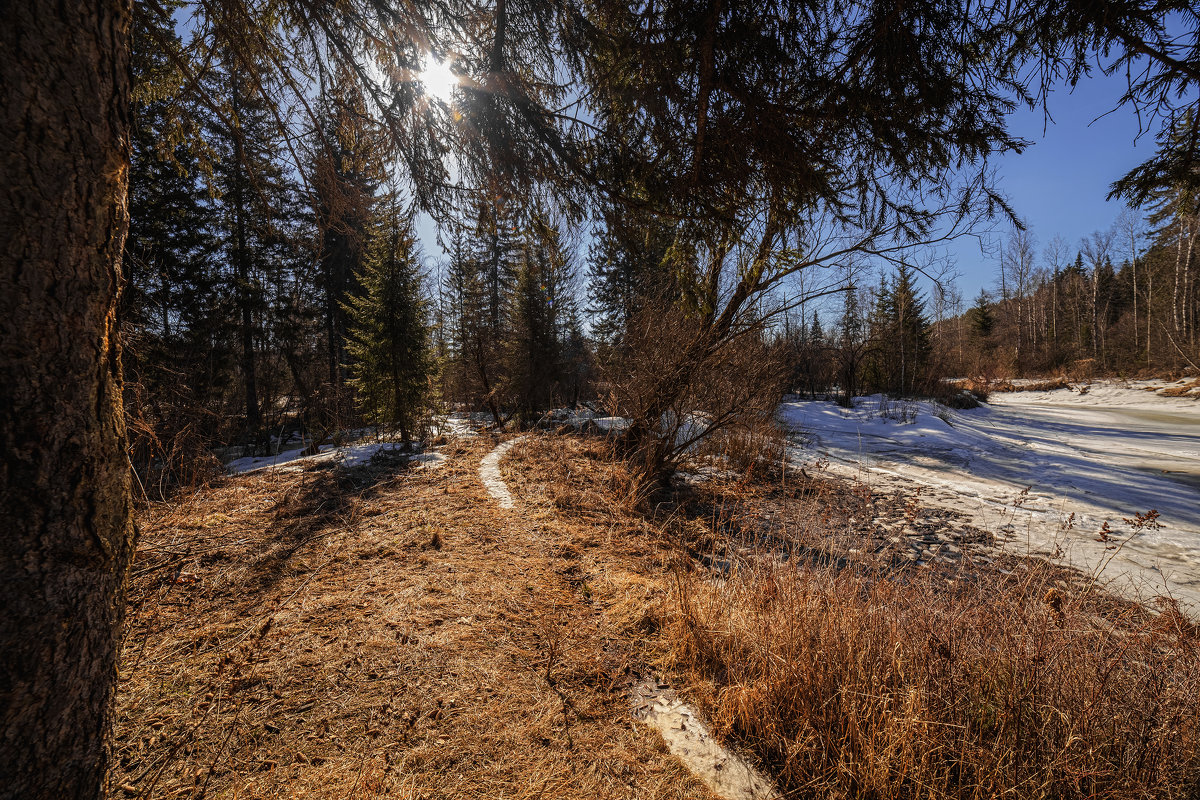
(681,726)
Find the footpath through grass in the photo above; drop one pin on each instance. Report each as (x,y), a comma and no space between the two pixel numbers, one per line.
(384,632)
(391,632)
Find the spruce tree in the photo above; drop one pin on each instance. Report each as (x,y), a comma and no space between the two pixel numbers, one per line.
(255,199)
(542,306)
(980,317)
(912,329)
(170,305)
(816,334)
(625,267)
(389,333)
(901,335)
(852,345)
(347,170)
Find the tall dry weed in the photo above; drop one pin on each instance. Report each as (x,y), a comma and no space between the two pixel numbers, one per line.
(853,685)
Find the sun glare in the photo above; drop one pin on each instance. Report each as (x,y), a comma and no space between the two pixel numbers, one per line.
(438,80)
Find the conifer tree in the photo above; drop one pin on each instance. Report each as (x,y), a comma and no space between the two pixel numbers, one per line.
(389,332)
(473,350)
(347,169)
(816,334)
(912,330)
(541,307)
(901,334)
(170,285)
(981,319)
(852,344)
(625,267)
(255,199)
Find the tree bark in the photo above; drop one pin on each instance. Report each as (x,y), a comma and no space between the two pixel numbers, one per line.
(241,261)
(64,480)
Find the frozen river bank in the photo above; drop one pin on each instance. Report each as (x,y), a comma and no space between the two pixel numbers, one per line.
(1046,470)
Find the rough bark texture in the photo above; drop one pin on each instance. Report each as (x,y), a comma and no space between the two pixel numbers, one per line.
(64,482)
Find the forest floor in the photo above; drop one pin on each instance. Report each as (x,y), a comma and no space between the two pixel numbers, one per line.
(383,630)
(391,630)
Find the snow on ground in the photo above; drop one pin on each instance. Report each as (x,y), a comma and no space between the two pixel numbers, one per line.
(689,739)
(489,474)
(1024,464)
(460,423)
(286,460)
(352,455)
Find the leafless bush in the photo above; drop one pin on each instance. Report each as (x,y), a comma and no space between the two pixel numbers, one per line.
(679,387)
(756,443)
(165,446)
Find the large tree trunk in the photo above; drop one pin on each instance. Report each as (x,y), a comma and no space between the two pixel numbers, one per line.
(67,537)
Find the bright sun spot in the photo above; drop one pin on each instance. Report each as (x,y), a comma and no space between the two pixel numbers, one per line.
(438,80)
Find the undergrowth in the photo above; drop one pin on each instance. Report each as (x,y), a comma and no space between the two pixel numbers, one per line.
(852,676)
(852,685)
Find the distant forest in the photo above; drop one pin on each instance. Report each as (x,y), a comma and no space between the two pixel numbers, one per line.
(1124,302)
(274,284)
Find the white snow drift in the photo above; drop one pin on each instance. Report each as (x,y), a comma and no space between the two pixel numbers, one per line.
(1044,469)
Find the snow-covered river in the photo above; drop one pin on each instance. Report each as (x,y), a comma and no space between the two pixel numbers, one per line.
(1025,463)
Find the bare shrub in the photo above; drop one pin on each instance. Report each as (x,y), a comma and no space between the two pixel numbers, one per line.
(755,443)
(165,446)
(852,685)
(679,386)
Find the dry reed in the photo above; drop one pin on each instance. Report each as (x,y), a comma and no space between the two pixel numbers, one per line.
(852,684)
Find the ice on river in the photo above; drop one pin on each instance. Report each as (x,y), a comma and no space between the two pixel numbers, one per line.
(1022,465)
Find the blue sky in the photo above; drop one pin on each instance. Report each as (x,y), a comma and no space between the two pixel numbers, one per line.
(1058,184)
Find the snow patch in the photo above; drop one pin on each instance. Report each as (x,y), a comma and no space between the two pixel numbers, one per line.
(241,466)
(612,424)
(346,456)
(1044,470)
(688,738)
(489,473)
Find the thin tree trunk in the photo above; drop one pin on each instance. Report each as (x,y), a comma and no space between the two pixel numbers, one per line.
(241,264)
(1187,268)
(1054,314)
(1178,269)
(1149,314)
(64,477)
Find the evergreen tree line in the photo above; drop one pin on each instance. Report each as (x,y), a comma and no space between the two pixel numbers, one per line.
(259,305)
(881,341)
(1125,303)
(1049,313)
(510,333)
(258,302)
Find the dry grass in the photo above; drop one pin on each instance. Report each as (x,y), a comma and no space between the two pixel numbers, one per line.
(859,685)
(382,632)
(1191,389)
(982,387)
(851,673)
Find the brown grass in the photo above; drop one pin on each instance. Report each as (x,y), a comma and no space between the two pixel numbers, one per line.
(856,685)
(1191,389)
(981,387)
(850,673)
(382,632)
(385,632)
